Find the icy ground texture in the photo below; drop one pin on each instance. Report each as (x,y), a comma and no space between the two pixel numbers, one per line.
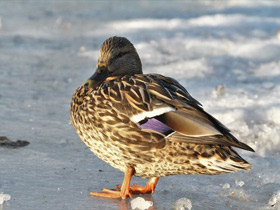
(226,53)
(4,197)
(140,203)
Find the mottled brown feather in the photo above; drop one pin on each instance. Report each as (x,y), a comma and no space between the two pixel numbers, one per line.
(102,116)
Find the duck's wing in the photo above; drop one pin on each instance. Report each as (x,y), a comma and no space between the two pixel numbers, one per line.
(163,108)
(191,123)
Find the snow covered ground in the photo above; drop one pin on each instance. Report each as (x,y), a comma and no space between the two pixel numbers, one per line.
(226,53)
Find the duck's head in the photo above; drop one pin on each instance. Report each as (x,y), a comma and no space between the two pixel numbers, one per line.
(118,57)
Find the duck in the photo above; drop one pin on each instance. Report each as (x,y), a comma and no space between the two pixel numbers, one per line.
(148,125)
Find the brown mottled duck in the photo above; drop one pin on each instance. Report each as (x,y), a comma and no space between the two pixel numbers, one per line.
(148,125)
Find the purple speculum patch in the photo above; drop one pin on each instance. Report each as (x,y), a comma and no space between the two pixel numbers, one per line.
(156,125)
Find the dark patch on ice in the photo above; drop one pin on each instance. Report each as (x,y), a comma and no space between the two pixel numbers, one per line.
(7,143)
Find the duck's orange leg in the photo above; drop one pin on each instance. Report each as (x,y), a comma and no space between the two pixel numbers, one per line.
(147,189)
(124,191)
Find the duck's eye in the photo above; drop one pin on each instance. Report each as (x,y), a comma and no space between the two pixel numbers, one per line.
(101,69)
(121,54)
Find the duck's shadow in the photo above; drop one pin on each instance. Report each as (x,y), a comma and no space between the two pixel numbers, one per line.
(125,204)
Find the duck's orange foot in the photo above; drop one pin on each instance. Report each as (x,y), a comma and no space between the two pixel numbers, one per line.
(112,193)
(125,190)
(139,189)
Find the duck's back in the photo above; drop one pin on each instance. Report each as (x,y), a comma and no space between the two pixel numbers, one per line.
(151,123)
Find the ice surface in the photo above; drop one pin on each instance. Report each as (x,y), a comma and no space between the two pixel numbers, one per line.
(274,201)
(226,186)
(239,183)
(226,54)
(140,203)
(182,204)
(238,194)
(4,197)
